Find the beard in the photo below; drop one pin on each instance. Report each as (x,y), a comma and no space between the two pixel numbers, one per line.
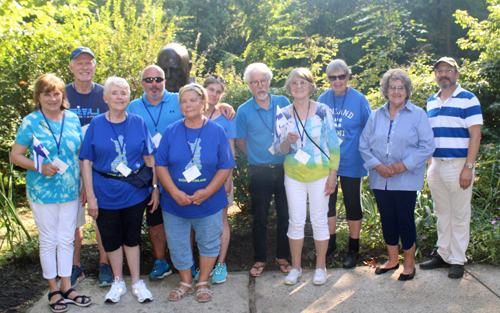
(445,82)
(261,94)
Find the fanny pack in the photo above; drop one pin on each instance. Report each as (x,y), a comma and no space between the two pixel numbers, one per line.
(141,178)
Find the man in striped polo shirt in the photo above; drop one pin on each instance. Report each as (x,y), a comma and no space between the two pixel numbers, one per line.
(456,119)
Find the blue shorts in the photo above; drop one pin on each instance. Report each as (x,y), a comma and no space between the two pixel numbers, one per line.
(178,230)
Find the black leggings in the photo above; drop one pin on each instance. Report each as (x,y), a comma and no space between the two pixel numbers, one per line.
(351,188)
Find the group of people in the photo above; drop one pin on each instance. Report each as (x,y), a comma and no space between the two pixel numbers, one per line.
(171,153)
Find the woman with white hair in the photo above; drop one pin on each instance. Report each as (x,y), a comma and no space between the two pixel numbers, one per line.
(118,164)
(350,111)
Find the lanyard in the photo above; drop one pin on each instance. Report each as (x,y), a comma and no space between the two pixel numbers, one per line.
(58,144)
(122,146)
(273,119)
(389,137)
(80,105)
(159,115)
(303,126)
(212,114)
(187,140)
(343,101)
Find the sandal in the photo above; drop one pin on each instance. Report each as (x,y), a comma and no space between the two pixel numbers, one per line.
(283,267)
(85,301)
(59,302)
(203,291)
(181,293)
(258,268)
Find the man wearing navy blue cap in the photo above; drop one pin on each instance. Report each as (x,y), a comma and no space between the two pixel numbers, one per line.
(86,100)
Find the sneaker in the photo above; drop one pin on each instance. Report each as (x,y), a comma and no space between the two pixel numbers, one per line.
(76,275)
(118,289)
(220,274)
(160,269)
(319,277)
(291,278)
(197,275)
(456,271)
(105,275)
(435,262)
(351,259)
(141,292)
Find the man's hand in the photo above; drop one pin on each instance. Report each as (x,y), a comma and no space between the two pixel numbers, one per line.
(384,170)
(465,178)
(155,200)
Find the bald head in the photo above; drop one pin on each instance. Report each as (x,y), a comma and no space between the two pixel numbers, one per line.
(174,60)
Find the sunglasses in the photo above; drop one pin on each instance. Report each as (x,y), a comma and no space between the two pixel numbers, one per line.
(333,78)
(149,80)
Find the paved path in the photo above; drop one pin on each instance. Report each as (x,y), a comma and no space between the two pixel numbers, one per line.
(355,290)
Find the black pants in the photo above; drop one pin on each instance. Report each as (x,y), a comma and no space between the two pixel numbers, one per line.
(351,188)
(264,182)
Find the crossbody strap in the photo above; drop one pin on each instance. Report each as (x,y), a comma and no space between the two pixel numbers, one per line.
(305,131)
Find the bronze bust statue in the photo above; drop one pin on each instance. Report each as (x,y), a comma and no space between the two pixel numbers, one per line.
(174,60)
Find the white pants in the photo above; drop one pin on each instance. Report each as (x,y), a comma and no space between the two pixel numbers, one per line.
(56,225)
(296,194)
(452,208)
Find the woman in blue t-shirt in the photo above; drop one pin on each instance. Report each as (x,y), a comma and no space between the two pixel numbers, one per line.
(118,144)
(53,136)
(194,160)
(215,87)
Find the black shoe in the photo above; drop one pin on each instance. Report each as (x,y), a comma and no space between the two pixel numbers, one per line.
(436,262)
(456,271)
(380,270)
(351,259)
(407,277)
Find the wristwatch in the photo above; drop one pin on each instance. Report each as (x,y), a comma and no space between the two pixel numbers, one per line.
(155,186)
(469,165)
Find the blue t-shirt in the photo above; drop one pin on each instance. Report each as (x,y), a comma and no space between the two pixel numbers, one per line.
(102,147)
(168,106)
(85,111)
(228,125)
(211,152)
(59,188)
(350,113)
(258,126)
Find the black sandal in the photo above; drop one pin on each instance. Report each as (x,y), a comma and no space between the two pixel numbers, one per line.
(86,301)
(59,302)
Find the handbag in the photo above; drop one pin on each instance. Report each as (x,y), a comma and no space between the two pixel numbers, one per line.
(141,178)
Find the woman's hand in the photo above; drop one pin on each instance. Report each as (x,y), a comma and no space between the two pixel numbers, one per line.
(384,170)
(92,207)
(227,111)
(155,199)
(331,183)
(83,195)
(398,168)
(49,169)
(199,196)
(181,198)
(227,186)
(292,137)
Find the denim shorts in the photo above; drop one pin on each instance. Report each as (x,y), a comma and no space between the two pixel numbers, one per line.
(178,230)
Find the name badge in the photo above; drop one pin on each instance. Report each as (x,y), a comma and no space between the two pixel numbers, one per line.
(302,157)
(156,140)
(271,150)
(191,173)
(61,165)
(84,129)
(123,169)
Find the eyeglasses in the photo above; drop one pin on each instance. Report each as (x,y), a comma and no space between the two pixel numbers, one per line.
(397,88)
(445,71)
(301,84)
(149,80)
(263,82)
(333,78)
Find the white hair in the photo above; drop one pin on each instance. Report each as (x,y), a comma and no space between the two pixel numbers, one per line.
(156,67)
(257,67)
(338,65)
(116,81)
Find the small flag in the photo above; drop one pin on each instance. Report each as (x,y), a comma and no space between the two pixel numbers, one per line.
(280,120)
(39,153)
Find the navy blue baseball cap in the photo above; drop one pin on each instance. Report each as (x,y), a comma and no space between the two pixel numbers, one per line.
(79,51)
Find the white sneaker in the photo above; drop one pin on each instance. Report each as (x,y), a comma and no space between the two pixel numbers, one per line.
(141,292)
(118,289)
(319,277)
(291,278)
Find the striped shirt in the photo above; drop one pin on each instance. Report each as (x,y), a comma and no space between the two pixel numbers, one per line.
(450,121)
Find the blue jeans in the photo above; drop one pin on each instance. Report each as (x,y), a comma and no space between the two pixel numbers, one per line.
(178,230)
(264,182)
